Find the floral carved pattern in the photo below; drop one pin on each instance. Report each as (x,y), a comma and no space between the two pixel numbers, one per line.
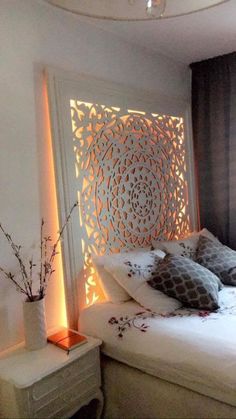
(131,172)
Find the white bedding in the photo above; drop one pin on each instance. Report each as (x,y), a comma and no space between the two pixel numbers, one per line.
(192,349)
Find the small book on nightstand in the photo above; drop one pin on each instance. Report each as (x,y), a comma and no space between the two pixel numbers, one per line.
(67,339)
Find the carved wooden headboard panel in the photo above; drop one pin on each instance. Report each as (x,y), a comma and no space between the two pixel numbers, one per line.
(129,166)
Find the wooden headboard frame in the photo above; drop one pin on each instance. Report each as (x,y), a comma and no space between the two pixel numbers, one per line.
(152,172)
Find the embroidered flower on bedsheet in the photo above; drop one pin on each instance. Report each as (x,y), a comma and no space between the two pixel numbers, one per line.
(123,323)
(139,320)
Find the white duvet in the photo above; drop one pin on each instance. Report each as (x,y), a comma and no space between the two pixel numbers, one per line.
(190,348)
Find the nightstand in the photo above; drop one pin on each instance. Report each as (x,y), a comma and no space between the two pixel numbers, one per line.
(48,383)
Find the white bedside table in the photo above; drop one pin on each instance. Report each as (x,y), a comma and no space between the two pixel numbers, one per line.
(48,383)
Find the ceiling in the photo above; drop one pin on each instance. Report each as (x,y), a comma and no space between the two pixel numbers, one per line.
(185,39)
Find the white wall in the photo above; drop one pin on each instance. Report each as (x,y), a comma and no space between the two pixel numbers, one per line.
(33,34)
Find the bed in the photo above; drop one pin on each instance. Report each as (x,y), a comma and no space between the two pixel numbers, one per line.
(179,365)
(127,157)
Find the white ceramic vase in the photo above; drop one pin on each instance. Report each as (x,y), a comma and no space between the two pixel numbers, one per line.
(34,324)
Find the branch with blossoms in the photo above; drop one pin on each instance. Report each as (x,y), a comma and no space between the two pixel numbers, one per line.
(25,283)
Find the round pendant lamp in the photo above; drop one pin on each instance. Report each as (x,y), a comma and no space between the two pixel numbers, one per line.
(134,10)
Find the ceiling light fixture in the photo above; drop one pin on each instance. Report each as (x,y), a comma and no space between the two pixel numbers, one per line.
(134,10)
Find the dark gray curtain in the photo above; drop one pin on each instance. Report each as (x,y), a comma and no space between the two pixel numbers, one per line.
(214,134)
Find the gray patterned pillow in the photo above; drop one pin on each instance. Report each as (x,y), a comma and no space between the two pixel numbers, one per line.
(219,259)
(187,281)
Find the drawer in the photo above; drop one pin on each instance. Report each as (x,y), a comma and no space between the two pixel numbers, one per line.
(74,394)
(75,370)
(93,371)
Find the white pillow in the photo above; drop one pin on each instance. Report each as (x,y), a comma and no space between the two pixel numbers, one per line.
(133,270)
(112,290)
(184,247)
(206,233)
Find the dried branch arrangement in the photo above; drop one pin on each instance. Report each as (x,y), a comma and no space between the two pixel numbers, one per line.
(46,262)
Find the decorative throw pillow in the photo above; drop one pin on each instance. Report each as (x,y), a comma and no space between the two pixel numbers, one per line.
(132,270)
(111,288)
(186,247)
(219,259)
(187,281)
